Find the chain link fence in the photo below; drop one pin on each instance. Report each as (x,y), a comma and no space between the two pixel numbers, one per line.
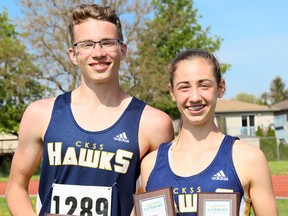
(273,150)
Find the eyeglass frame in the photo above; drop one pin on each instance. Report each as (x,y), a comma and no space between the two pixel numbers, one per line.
(119,42)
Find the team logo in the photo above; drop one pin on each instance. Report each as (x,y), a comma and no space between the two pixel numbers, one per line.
(220,176)
(122,137)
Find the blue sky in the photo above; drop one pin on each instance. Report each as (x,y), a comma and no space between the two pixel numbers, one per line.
(255,34)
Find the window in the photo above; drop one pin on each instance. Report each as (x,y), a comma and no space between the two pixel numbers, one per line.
(248,125)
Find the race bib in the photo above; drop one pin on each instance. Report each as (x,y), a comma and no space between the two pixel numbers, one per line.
(81,200)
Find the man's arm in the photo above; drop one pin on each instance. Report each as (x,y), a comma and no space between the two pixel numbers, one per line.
(155,128)
(26,158)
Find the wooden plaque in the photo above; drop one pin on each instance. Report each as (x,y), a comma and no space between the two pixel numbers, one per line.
(155,203)
(218,204)
(50,214)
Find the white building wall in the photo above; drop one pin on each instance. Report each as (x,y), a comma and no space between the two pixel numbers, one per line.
(234,122)
(8,143)
(264,120)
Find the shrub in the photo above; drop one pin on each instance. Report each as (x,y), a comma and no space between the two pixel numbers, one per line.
(5,164)
(269,147)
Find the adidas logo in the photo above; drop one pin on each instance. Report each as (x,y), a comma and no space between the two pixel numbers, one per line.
(122,137)
(220,176)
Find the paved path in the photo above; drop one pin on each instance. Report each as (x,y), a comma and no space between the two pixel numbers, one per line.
(280,185)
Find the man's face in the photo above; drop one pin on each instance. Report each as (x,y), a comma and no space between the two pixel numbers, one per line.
(99,65)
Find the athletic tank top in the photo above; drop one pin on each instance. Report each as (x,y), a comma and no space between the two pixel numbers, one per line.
(219,176)
(75,156)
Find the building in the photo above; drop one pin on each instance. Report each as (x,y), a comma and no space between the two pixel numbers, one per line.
(8,144)
(242,119)
(281,120)
(239,118)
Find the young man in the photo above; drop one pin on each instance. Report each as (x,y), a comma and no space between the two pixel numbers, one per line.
(93,138)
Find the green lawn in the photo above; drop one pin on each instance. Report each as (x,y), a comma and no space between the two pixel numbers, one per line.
(3,207)
(282,206)
(276,167)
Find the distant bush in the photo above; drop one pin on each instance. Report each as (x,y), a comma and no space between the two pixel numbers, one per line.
(5,165)
(268,144)
(269,147)
(283,151)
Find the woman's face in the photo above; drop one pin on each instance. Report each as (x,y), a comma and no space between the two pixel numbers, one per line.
(196,91)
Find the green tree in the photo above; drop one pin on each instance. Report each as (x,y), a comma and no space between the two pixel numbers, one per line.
(245,97)
(259,132)
(270,132)
(264,98)
(173,27)
(50,39)
(278,91)
(18,77)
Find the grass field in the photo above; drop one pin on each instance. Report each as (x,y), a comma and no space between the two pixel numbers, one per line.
(282,206)
(276,167)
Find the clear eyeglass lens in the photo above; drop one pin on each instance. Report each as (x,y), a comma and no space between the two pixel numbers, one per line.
(88,46)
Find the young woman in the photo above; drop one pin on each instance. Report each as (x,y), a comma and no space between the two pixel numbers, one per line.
(202,158)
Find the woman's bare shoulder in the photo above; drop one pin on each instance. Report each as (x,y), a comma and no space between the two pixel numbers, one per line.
(150,158)
(245,154)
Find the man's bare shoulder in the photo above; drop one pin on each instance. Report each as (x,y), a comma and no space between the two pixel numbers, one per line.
(152,114)
(155,128)
(41,106)
(158,121)
(38,112)
(35,121)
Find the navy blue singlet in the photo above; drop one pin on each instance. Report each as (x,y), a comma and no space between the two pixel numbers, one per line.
(219,176)
(119,172)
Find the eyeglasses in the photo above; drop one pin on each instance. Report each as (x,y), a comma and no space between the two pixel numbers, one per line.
(107,45)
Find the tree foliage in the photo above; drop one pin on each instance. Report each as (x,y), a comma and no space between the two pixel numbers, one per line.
(155,32)
(245,97)
(278,92)
(18,77)
(270,132)
(173,27)
(50,38)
